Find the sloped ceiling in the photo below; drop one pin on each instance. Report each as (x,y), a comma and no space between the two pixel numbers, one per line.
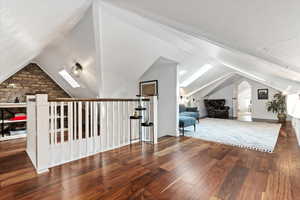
(213,74)
(126,53)
(235,34)
(230,80)
(255,38)
(26,27)
(214,86)
(78,45)
(264,28)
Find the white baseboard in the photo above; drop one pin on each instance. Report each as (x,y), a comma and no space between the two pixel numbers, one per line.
(42,171)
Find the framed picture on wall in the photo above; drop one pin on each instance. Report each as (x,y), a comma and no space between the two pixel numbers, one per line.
(263,94)
(149,88)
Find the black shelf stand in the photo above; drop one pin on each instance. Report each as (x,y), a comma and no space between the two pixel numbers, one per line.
(140,110)
(135,118)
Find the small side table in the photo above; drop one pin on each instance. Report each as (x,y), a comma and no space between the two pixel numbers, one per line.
(149,125)
(135,118)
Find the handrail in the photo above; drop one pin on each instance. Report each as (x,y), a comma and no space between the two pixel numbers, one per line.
(96,99)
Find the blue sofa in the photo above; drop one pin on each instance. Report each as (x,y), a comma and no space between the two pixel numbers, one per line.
(186,121)
(189,111)
(188,116)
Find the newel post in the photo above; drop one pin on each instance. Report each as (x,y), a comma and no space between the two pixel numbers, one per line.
(42,132)
(154,105)
(31,128)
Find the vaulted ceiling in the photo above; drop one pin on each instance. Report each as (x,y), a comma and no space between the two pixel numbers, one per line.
(265,28)
(231,34)
(119,39)
(27,27)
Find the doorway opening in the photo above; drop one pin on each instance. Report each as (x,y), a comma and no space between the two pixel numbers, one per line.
(244,101)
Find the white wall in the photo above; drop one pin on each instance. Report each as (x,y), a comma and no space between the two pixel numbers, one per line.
(293,111)
(259,109)
(165,72)
(296,126)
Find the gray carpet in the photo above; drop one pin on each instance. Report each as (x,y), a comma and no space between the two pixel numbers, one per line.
(258,136)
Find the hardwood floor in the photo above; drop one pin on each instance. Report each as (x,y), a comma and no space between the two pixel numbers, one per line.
(177,168)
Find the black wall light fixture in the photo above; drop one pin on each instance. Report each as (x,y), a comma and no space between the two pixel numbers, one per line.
(77,69)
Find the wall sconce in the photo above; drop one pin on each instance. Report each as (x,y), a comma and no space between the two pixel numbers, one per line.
(77,69)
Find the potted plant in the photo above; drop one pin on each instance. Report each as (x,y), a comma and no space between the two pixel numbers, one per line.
(278,105)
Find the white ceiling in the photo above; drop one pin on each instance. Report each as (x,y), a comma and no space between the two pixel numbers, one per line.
(213,74)
(126,53)
(265,28)
(257,39)
(78,45)
(163,20)
(26,27)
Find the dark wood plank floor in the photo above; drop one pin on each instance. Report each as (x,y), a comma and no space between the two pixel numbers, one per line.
(177,168)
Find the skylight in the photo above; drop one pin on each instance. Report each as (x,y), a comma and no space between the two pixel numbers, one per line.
(69,78)
(244,72)
(196,75)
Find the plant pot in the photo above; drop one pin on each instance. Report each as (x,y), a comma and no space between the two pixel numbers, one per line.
(281,117)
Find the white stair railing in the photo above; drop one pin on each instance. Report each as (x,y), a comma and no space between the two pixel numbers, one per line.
(72,129)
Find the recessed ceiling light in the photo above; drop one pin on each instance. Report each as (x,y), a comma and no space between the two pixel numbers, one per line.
(69,78)
(196,75)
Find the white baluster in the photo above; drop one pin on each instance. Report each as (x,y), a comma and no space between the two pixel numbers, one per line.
(55,123)
(70,129)
(52,119)
(107,126)
(95,129)
(62,127)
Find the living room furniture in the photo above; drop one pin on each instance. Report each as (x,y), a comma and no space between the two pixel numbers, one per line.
(189,111)
(186,121)
(216,108)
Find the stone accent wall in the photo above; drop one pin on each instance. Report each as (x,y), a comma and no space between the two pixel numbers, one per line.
(30,79)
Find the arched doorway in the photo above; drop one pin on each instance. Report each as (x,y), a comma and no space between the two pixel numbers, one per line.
(244,101)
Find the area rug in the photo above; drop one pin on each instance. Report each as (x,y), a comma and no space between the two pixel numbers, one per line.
(260,136)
